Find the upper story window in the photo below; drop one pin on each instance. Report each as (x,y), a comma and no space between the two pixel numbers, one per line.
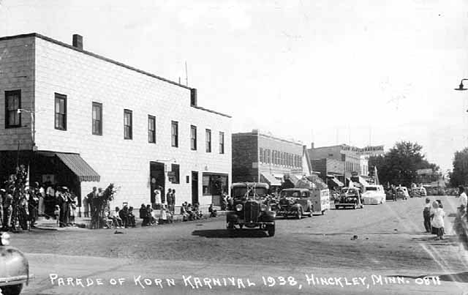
(175,134)
(60,111)
(97,118)
(221,142)
(193,138)
(128,124)
(151,129)
(12,105)
(208,140)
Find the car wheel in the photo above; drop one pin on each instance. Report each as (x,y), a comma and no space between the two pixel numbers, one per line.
(270,229)
(299,213)
(230,225)
(12,290)
(323,212)
(241,226)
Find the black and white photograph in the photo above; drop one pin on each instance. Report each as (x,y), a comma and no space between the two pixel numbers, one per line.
(233,147)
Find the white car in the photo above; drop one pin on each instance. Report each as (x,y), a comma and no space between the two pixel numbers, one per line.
(373,195)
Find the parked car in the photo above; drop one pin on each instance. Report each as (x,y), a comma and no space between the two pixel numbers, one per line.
(418,192)
(14,267)
(349,197)
(402,193)
(250,208)
(295,202)
(373,195)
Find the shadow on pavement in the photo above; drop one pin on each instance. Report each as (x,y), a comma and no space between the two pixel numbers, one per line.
(461,277)
(224,233)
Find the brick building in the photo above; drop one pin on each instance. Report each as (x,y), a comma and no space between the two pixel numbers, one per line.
(82,120)
(262,157)
(339,163)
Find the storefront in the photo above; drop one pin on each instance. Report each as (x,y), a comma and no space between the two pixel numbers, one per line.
(214,185)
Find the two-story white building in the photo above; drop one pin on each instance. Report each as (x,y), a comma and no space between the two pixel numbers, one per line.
(81,120)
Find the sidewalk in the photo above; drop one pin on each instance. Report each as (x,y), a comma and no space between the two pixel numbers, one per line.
(85,222)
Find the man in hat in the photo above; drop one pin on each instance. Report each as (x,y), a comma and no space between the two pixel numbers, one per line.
(427,215)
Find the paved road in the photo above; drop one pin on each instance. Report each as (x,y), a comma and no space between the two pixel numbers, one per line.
(377,250)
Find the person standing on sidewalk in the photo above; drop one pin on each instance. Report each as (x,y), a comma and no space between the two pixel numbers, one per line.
(427,215)
(463,198)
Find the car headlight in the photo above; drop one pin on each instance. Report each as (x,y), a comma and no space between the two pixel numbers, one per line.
(239,207)
(5,239)
(263,207)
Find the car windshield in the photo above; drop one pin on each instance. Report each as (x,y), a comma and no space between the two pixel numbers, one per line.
(295,194)
(240,192)
(371,188)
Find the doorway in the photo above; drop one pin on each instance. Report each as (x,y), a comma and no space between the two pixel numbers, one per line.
(195,187)
(157,179)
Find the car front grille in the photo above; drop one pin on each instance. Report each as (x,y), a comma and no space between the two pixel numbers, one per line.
(251,212)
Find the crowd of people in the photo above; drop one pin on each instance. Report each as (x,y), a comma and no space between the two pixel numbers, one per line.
(54,201)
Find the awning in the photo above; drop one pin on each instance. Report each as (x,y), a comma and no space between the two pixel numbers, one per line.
(294,179)
(336,181)
(79,166)
(270,179)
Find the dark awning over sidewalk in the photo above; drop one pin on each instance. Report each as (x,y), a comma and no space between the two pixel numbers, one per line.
(79,166)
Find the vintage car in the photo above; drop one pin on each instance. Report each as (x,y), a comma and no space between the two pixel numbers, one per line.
(250,208)
(418,192)
(373,195)
(14,267)
(402,193)
(295,202)
(349,197)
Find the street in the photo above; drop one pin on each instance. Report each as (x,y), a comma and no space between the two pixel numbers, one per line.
(380,249)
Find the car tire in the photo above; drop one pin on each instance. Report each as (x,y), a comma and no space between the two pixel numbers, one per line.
(299,213)
(323,212)
(12,289)
(230,226)
(241,226)
(270,229)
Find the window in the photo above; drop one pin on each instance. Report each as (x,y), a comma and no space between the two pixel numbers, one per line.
(128,134)
(97,118)
(193,138)
(151,129)
(208,140)
(261,156)
(214,184)
(175,173)
(12,105)
(175,134)
(60,111)
(221,142)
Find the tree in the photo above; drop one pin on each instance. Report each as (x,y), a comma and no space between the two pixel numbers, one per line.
(459,175)
(400,163)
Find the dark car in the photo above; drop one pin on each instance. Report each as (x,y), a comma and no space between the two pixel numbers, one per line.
(349,197)
(14,267)
(295,202)
(250,208)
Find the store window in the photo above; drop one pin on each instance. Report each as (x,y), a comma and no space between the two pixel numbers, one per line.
(174,175)
(215,184)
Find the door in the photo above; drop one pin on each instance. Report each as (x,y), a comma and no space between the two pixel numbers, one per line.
(195,187)
(157,179)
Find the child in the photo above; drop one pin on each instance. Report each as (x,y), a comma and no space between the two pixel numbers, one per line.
(438,220)
(57,214)
(427,215)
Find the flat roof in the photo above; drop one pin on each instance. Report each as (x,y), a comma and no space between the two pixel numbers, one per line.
(48,39)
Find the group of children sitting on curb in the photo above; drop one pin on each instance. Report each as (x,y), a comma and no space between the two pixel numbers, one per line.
(124,218)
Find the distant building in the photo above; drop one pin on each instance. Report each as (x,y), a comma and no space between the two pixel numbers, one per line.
(262,157)
(81,120)
(337,164)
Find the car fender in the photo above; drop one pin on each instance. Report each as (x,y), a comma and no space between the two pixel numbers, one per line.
(14,267)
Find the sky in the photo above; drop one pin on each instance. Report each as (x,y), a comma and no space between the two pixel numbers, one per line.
(358,72)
